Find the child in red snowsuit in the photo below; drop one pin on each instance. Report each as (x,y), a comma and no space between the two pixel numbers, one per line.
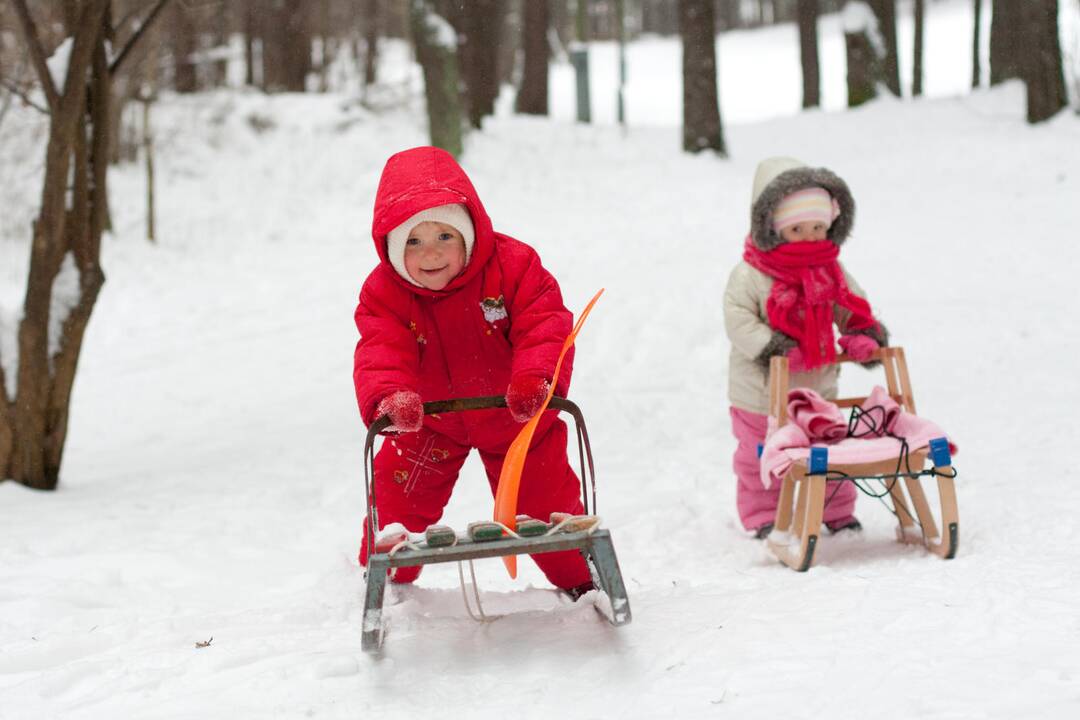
(455,309)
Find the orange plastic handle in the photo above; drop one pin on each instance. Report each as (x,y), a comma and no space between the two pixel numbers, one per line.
(506,496)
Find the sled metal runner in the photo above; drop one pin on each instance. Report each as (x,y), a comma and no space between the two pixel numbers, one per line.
(595,545)
(797,528)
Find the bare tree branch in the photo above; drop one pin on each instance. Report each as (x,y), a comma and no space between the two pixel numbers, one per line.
(126,52)
(37,53)
(21,93)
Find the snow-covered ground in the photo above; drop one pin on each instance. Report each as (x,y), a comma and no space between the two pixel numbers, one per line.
(212,484)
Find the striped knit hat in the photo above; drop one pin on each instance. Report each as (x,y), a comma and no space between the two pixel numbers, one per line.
(813,204)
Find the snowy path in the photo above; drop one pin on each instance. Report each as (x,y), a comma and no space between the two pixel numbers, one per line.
(213,484)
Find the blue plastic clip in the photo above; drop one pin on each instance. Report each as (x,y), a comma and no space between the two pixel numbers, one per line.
(760,449)
(939,452)
(819,460)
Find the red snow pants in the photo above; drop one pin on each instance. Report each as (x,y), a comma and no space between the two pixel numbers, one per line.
(416,472)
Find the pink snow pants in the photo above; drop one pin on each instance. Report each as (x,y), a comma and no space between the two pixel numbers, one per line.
(416,472)
(755,502)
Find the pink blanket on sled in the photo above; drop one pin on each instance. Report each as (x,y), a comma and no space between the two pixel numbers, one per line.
(813,420)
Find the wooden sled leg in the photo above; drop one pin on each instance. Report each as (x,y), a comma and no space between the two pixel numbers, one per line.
(783,506)
(372,636)
(600,555)
(948,544)
(806,529)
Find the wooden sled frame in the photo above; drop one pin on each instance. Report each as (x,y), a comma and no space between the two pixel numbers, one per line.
(797,527)
(596,546)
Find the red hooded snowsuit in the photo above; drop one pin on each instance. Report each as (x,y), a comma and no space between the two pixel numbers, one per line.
(501,317)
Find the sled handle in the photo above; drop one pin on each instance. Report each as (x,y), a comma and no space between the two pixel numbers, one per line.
(488,402)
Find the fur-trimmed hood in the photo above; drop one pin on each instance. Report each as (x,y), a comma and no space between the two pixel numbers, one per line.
(778,177)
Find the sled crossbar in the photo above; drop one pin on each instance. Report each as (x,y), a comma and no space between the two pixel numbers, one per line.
(595,546)
(467,549)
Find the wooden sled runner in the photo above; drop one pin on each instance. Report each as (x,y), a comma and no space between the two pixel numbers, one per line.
(797,528)
(573,533)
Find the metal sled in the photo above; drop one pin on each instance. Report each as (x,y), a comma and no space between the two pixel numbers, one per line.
(797,527)
(595,545)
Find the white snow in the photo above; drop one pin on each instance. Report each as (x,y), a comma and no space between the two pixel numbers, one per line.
(58,63)
(64,299)
(444,34)
(212,481)
(857,17)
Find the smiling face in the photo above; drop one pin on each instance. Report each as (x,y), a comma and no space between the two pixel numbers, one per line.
(804,231)
(434,254)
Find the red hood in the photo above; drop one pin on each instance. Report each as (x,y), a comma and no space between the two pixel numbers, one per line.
(419,179)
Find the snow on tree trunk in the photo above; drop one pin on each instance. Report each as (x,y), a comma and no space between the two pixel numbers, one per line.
(865,52)
(436,51)
(701,106)
(65,275)
(885,10)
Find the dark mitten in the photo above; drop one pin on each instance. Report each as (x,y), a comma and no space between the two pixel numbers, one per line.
(525,396)
(406,411)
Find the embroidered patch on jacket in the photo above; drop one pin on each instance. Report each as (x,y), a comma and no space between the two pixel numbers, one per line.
(419,335)
(494,309)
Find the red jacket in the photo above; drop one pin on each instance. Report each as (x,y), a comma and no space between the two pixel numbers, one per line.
(503,315)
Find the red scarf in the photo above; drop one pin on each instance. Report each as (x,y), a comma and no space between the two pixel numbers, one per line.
(807,283)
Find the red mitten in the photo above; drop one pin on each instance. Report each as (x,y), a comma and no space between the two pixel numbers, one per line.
(525,396)
(796,363)
(859,347)
(405,408)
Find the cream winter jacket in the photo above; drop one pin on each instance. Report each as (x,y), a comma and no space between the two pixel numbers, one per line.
(748,329)
(753,341)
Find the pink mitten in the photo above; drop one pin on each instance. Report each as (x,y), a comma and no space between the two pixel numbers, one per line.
(796,363)
(405,408)
(525,396)
(860,347)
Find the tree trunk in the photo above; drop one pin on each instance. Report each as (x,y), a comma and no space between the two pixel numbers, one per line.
(371,41)
(1006,41)
(221,42)
(890,69)
(917,65)
(701,106)
(976,51)
(33,426)
(1042,68)
(436,52)
(65,273)
(808,52)
(185,76)
(730,15)
(480,25)
(286,47)
(250,33)
(863,68)
(532,98)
